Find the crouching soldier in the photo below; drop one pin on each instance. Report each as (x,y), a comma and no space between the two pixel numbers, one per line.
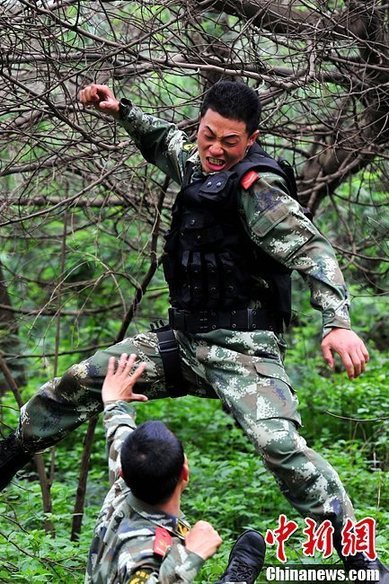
(141,535)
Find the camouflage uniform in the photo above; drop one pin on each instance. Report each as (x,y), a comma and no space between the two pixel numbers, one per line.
(124,544)
(244,369)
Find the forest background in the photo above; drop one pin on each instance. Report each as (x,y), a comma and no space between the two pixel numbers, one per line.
(82,218)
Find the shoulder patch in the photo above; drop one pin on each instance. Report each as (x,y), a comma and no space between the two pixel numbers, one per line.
(140,576)
(162,542)
(182,529)
(189,146)
(249,179)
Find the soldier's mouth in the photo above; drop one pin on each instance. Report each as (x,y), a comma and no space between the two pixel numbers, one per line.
(215,163)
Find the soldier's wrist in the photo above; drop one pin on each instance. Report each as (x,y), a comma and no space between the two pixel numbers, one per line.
(111,404)
(118,403)
(125,106)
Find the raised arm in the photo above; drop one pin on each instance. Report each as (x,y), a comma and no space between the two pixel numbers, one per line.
(159,141)
(119,416)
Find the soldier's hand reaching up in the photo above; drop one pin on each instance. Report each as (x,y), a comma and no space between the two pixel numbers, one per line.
(119,383)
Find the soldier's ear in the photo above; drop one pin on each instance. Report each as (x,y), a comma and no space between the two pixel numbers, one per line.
(253,137)
(185,471)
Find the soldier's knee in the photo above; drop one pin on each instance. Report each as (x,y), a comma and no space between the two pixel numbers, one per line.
(278,438)
(81,376)
(75,373)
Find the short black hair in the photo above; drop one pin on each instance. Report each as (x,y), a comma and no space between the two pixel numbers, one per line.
(152,459)
(234,100)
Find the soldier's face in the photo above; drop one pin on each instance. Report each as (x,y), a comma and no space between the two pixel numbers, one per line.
(222,142)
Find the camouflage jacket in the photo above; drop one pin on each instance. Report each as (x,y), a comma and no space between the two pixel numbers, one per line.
(274,221)
(128,546)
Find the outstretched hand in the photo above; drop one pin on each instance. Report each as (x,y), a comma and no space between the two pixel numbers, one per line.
(349,347)
(118,385)
(101,97)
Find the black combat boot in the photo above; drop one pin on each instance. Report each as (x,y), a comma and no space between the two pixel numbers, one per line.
(361,562)
(246,559)
(12,458)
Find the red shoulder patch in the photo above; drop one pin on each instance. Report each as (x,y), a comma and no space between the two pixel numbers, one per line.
(163,541)
(249,179)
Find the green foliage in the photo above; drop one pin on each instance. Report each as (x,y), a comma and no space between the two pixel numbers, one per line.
(88,262)
(359,211)
(343,420)
(229,485)
(335,405)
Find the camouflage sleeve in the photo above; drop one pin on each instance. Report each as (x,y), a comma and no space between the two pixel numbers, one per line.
(276,223)
(159,141)
(119,422)
(179,566)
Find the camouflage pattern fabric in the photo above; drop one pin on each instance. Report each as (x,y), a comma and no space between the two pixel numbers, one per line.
(244,369)
(123,547)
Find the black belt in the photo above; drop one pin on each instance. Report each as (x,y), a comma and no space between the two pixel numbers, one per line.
(202,321)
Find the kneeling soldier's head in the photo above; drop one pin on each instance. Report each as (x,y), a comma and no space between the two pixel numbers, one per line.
(153,463)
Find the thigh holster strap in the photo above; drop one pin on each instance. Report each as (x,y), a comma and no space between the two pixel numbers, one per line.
(170,354)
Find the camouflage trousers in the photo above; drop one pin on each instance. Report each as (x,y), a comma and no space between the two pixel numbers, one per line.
(244,369)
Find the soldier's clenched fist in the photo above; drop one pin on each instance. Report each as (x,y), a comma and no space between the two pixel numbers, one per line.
(203,540)
(101,97)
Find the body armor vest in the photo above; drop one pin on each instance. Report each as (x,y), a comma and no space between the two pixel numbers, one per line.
(210,262)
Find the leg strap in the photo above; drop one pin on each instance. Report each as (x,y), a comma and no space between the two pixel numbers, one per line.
(170,353)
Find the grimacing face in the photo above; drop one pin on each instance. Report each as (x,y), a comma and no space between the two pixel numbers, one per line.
(222,142)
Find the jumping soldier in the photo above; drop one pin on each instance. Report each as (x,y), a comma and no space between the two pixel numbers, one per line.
(141,536)
(236,235)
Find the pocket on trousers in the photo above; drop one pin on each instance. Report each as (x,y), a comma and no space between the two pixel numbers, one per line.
(275,396)
(271,368)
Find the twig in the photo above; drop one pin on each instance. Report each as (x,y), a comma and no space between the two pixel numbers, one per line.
(78,510)
(362,420)
(155,261)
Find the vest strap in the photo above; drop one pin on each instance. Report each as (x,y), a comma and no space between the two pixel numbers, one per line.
(203,321)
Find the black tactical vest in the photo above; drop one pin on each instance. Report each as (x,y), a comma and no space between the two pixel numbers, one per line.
(210,263)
